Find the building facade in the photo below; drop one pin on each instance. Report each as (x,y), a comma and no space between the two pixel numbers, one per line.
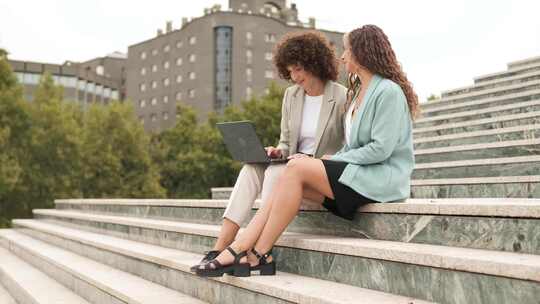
(221,58)
(99,80)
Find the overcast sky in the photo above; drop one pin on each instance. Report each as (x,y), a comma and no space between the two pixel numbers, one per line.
(441,45)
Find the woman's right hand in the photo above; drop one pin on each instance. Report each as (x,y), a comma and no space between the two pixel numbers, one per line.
(273,152)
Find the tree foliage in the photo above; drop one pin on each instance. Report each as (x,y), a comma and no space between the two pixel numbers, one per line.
(54,149)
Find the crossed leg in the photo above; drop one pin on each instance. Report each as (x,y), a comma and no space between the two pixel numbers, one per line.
(303,177)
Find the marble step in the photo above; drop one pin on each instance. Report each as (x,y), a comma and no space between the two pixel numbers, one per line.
(479,125)
(510,148)
(496,83)
(480,103)
(527,186)
(471,187)
(513,69)
(94,281)
(488,93)
(434,273)
(467,115)
(29,285)
(170,267)
(504,224)
(524,62)
(5,297)
(487,167)
(485,136)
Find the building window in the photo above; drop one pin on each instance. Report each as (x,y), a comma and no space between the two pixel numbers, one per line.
(154,84)
(141,120)
(191,93)
(166,99)
(179,79)
(107,92)
(223,36)
(270,37)
(165,116)
(114,94)
(142,87)
(248,75)
(249,56)
(179,44)
(154,68)
(166,65)
(178,96)
(268,56)
(166,82)
(192,58)
(192,75)
(179,61)
(81,86)
(166,48)
(153,117)
(154,52)
(192,40)
(100,70)
(249,36)
(249,92)
(266,91)
(269,74)
(91,87)
(142,103)
(143,55)
(143,71)
(154,101)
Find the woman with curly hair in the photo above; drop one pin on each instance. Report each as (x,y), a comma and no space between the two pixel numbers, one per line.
(311,126)
(375,164)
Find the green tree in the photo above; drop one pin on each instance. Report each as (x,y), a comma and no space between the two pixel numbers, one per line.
(14,133)
(433,97)
(192,156)
(52,155)
(116,155)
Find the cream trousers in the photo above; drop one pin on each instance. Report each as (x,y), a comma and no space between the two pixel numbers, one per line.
(254,179)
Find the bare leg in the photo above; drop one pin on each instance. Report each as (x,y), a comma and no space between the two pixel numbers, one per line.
(304,173)
(269,222)
(227,233)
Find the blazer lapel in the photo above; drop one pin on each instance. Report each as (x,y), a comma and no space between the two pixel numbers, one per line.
(296,116)
(327,106)
(367,99)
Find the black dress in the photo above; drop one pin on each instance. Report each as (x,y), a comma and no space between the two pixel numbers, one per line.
(346,200)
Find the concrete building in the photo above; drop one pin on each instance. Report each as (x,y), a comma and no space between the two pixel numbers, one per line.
(98,80)
(220,58)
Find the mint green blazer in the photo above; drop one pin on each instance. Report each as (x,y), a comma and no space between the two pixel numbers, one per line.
(380,157)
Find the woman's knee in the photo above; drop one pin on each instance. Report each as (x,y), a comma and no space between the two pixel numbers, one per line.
(295,167)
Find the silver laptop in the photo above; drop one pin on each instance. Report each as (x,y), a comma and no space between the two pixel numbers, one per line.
(243,143)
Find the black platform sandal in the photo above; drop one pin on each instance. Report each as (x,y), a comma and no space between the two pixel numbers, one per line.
(215,269)
(264,267)
(208,256)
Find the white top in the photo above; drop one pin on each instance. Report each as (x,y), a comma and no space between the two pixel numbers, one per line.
(348,124)
(310,119)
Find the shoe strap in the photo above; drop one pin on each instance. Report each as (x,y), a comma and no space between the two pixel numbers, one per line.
(237,256)
(262,257)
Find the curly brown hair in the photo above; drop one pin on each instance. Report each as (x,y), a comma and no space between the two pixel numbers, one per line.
(308,49)
(371,49)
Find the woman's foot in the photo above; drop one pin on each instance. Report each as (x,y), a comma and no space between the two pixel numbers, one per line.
(264,263)
(208,256)
(229,261)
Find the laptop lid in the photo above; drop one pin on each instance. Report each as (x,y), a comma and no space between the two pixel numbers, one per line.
(242,142)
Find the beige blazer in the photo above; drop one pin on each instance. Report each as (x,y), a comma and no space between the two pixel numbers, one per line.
(329,137)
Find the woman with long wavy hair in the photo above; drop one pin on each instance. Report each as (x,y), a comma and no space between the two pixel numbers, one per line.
(374,166)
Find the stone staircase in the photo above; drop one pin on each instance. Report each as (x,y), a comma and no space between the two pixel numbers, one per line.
(469,234)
